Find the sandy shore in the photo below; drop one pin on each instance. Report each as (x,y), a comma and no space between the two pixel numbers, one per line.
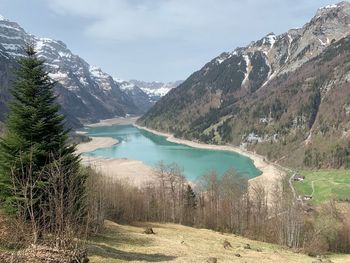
(95,143)
(271,173)
(135,172)
(114,121)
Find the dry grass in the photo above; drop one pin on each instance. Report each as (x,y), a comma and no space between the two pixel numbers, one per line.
(176,243)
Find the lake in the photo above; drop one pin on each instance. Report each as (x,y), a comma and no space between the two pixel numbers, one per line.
(138,144)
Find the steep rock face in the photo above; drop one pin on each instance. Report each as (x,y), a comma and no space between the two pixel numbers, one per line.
(273,96)
(86,93)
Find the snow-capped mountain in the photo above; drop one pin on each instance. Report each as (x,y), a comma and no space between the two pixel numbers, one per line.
(139,97)
(86,93)
(156,89)
(146,94)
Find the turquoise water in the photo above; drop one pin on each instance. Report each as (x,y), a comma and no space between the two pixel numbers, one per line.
(137,144)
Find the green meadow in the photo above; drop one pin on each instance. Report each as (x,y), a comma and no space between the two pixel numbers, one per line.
(324,185)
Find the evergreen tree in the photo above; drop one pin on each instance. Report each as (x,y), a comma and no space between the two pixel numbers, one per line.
(35,138)
(190,205)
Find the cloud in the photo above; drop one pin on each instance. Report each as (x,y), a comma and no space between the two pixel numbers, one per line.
(153,39)
(162,19)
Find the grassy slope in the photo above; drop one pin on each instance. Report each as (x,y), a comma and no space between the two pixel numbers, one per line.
(176,243)
(327,184)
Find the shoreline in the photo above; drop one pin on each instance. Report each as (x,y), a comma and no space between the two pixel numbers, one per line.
(95,143)
(113,121)
(134,172)
(270,172)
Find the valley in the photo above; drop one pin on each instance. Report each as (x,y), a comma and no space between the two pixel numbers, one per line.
(281,96)
(86,93)
(245,160)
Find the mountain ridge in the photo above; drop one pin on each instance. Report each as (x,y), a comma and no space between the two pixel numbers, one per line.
(156,89)
(85,92)
(235,97)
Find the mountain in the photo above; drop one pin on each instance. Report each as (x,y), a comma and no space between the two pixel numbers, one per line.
(85,92)
(139,97)
(285,96)
(7,67)
(155,90)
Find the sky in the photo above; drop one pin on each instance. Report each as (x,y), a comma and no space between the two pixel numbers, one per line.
(157,40)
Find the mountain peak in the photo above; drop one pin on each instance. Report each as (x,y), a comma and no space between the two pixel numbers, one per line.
(340,4)
(335,7)
(2,18)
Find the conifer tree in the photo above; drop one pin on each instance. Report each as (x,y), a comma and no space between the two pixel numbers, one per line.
(35,137)
(190,205)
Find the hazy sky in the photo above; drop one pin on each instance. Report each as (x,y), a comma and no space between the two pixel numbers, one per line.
(157,39)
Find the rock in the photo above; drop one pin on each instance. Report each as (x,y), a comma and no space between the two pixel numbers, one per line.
(212,260)
(149,231)
(238,255)
(259,250)
(311,254)
(227,245)
(247,246)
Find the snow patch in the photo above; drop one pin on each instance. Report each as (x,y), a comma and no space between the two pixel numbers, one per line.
(290,38)
(39,44)
(324,43)
(347,77)
(269,78)
(246,74)
(127,86)
(15,54)
(271,39)
(8,37)
(64,54)
(12,47)
(73,88)
(58,76)
(156,92)
(51,65)
(83,81)
(42,42)
(329,7)
(2,18)
(9,27)
(325,9)
(220,60)
(97,72)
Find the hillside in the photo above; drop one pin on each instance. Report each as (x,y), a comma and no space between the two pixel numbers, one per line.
(176,243)
(282,96)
